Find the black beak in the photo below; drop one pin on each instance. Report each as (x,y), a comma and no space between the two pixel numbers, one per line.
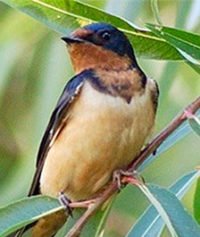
(71,40)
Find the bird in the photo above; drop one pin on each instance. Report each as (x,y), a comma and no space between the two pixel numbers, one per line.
(100,123)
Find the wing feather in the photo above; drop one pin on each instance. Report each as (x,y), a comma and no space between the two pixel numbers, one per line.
(57,122)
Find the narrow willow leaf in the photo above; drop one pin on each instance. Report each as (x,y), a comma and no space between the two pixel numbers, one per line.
(26,211)
(188,57)
(150,223)
(196,204)
(195,124)
(186,41)
(188,44)
(176,218)
(65,14)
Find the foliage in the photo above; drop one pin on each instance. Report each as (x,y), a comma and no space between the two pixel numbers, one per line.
(151,223)
(32,75)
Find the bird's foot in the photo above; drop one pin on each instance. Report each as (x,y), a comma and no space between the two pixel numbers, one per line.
(119,175)
(65,201)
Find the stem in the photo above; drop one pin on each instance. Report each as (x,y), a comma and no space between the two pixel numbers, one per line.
(155,10)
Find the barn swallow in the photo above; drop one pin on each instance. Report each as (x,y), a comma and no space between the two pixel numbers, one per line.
(100,123)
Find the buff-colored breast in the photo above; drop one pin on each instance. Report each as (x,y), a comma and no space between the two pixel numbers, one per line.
(103,133)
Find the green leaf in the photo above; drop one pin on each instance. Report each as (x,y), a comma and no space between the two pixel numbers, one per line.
(188,44)
(195,124)
(30,209)
(176,218)
(150,223)
(26,211)
(186,41)
(196,203)
(64,14)
(194,66)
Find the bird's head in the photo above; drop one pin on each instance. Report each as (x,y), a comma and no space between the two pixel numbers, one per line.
(100,45)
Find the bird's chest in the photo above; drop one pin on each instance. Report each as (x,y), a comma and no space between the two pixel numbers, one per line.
(113,132)
(103,133)
(113,115)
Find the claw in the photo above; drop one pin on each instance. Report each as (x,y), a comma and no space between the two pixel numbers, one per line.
(117,177)
(65,201)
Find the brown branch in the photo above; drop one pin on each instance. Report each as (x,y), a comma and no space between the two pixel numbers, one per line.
(94,204)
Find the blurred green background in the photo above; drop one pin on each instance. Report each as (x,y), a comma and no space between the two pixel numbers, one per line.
(34,67)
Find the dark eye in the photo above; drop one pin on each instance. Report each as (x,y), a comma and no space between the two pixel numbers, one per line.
(105,35)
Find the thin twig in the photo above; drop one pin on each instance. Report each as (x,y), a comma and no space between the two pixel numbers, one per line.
(94,204)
